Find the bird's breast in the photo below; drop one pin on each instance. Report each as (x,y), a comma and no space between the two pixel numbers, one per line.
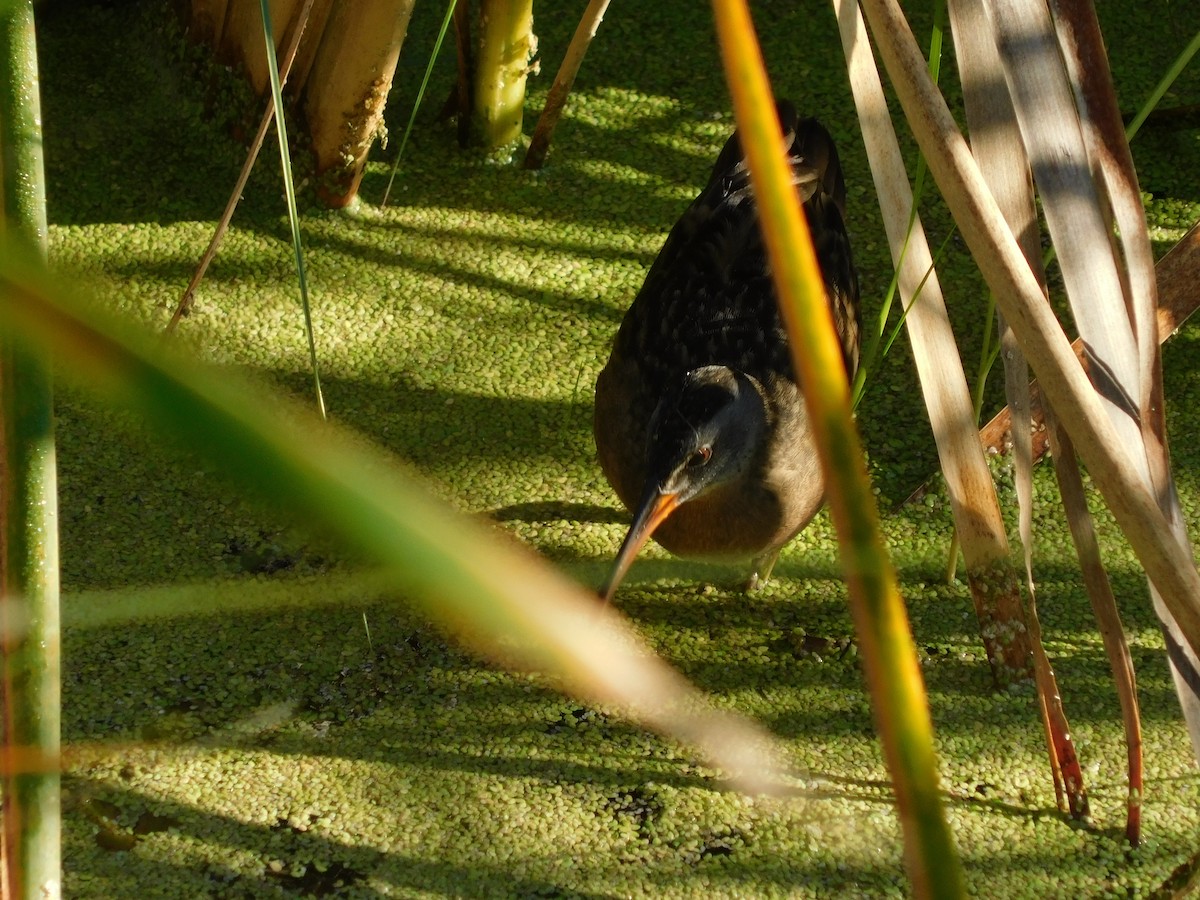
(736,522)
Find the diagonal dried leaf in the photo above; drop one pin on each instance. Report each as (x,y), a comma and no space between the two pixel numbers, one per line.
(1177,273)
(947,397)
(997,146)
(980,221)
(1084,172)
(1104,607)
(1075,214)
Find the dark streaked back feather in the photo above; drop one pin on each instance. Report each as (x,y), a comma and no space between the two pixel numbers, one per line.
(709,300)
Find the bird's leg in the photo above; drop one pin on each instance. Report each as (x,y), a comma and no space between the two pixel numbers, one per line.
(760,571)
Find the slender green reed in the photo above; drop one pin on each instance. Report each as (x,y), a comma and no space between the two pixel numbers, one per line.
(29,611)
(289,187)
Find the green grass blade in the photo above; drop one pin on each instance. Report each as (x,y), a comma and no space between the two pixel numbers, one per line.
(29,613)
(989,352)
(412,117)
(889,656)
(1177,67)
(937,258)
(285,160)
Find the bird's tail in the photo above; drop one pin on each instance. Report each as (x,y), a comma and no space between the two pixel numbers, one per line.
(811,152)
(821,186)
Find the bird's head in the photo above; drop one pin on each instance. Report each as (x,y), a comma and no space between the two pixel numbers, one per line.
(705,433)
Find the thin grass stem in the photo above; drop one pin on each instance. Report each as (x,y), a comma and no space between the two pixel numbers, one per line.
(285,161)
(412,116)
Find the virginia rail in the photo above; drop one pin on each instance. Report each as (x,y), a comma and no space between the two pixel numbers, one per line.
(700,425)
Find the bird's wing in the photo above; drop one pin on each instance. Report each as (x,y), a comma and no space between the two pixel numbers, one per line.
(708,298)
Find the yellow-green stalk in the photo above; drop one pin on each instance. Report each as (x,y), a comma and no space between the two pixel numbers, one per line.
(29,627)
(889,657)
(507,45)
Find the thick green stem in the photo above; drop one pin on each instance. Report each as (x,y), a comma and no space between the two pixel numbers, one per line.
(507,44)
(29,680)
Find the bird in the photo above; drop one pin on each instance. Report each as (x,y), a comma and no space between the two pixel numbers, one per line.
(700,424)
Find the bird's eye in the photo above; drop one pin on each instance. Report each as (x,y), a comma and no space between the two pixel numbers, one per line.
(699,458)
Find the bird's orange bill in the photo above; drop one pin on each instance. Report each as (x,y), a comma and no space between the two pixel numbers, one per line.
(653,510)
